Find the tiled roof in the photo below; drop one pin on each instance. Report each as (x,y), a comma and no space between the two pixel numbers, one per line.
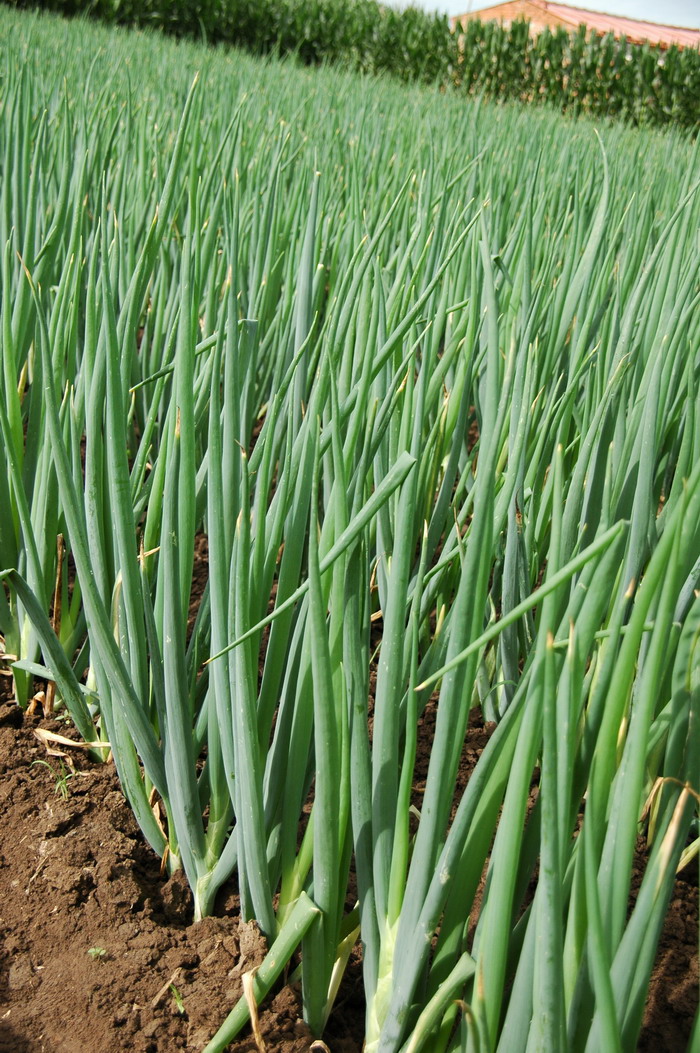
(548,12)
(632,28)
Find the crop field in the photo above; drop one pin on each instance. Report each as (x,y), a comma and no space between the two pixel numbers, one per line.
(576,71)
(421,377)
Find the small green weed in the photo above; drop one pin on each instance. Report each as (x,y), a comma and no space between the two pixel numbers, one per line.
(177,999)
(62,776)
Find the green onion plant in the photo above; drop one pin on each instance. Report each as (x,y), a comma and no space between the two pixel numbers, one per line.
(420,377)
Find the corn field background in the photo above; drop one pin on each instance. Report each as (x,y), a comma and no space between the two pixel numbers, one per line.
(424,373)
(574,72)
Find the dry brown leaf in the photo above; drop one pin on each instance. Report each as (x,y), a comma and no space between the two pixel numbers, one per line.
(46,737)
(249,996)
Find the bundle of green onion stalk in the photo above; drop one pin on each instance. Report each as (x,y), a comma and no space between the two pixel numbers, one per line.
(425,376)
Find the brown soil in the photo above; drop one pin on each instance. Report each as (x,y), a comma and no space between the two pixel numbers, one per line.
(92,936)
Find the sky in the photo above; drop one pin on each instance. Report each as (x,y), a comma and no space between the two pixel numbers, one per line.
(669,12)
